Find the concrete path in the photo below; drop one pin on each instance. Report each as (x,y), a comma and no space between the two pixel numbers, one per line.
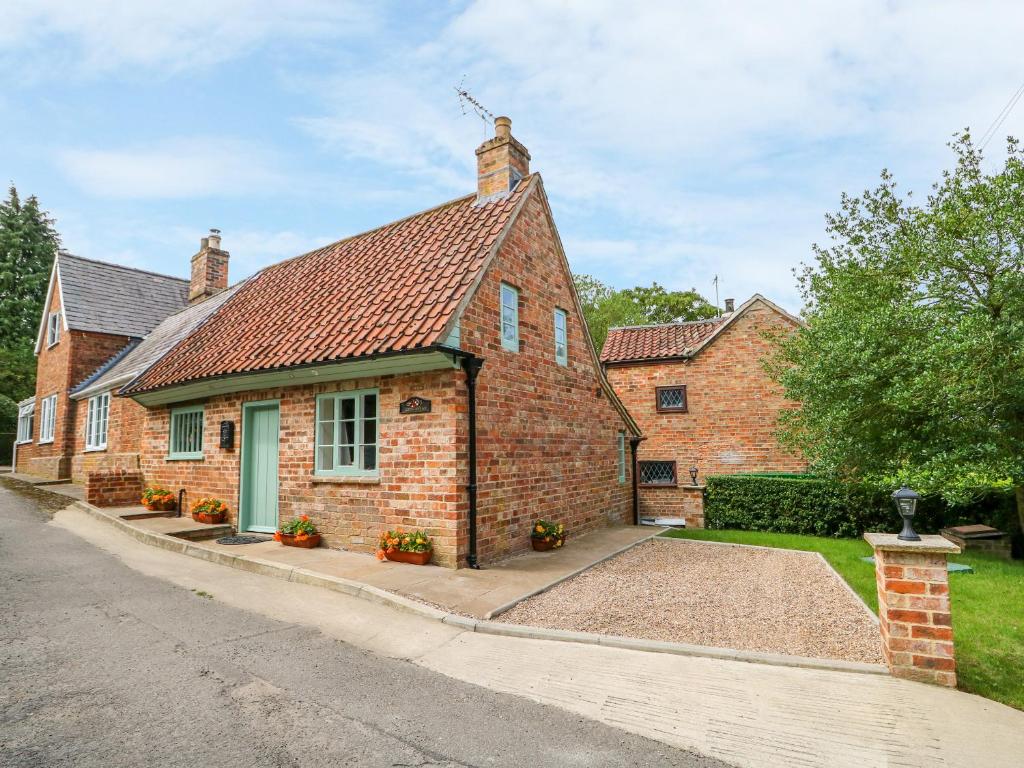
(479,594)
(106,667)
(748,715)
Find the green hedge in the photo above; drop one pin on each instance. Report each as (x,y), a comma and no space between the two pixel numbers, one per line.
(781,503)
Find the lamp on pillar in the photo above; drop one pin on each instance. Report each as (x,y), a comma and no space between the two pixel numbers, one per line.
(906,504)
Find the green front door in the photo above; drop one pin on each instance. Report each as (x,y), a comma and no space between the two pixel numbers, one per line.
(258,505)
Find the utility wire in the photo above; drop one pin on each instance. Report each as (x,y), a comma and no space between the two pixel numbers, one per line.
(1004,113)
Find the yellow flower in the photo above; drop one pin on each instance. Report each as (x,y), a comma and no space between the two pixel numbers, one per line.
(539,528)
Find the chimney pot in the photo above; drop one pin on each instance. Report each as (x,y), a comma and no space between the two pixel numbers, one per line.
(503,127)
(501,163)
(214,238)
(730,306)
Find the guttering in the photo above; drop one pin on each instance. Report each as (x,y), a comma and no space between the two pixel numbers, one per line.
(472,365)
(634,442)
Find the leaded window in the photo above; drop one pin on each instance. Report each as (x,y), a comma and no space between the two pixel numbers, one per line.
(561,337)
(347,433)
(509,318)
(671,399)
(96,422)
(658,473)
(186,438)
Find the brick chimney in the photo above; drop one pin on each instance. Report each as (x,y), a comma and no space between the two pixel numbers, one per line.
(500,163)
(209,269)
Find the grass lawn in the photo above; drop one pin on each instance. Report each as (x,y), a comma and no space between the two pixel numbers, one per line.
(988,606)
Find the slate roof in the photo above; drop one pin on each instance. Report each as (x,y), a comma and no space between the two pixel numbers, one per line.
(136,357)
(394,289)
(109,298)
(655,342)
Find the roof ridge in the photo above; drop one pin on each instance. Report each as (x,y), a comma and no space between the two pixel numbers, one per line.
(677,323)
(121,266)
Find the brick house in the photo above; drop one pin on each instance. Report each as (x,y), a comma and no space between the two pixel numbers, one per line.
(433,373)
(93,312)
(700,395)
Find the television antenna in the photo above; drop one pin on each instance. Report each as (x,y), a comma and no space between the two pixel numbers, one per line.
(715,283)
(468,102)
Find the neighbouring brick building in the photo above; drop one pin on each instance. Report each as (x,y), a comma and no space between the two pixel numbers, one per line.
(700,395)
(433,373)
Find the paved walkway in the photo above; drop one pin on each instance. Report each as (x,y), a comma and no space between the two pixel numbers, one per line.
(750,715)
(479,594)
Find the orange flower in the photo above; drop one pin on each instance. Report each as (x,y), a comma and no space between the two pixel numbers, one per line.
(277,535)
(304,518)
(380,554)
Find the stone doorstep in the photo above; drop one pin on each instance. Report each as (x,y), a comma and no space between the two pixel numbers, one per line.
(377,595)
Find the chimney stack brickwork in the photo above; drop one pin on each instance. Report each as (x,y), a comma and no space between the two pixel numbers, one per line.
(501,162)
(209,269)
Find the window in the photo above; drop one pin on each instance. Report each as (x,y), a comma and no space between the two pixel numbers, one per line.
(96,422)
(186,438)
(509,318)
(346,433)
(561,337)
(671,399)
(47,419)
(622,457)
(26,421)
(52,328)
(658,473)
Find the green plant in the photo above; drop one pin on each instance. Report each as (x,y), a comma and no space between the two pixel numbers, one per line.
(824,507)
(209,506)
(403,541)
(156,495)
(299,526)
(548,531)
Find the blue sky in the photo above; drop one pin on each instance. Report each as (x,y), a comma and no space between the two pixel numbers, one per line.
(677,141)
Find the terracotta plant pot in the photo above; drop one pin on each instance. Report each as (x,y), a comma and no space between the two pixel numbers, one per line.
(162,506)
(539,545)
(415,558)
(310,542)
(202,517)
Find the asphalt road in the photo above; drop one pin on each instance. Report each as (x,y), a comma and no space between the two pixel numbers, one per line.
(103,666)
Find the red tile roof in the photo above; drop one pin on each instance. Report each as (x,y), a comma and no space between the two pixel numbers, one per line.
(654,342)
(389,290)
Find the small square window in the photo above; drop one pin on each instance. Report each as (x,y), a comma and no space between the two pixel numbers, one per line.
(658,474)
(186,438)
(670,399)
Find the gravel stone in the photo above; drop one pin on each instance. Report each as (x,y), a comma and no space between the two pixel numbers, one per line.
(744,598)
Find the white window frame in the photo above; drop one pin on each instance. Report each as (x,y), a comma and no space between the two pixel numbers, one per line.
(26,423)
(96,421)
(508,299)
(359,441)
(52,329)
(561,329)
(178,417)
(47,419)
(622,458)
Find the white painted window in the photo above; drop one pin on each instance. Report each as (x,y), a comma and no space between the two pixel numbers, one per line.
(96,422)
(561,337)
(26,421)
(47,419)
(186,438)
(52,328)
(509,318)
(622,457)
(347,433)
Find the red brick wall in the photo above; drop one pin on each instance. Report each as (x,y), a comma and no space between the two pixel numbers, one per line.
(547,442)
(113,488)
(419,484)
(733,408)
(75,356)
(124,436)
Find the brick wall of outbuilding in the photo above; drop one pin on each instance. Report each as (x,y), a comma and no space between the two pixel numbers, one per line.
(124,436)
(732,410)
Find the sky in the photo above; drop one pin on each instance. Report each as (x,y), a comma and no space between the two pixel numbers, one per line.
(677,141)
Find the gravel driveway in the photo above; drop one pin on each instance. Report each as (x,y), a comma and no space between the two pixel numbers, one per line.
(768,600)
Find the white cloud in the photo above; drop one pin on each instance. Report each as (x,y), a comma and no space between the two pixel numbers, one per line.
(70,36)
(175,168)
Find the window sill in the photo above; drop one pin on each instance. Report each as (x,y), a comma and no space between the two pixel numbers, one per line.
(46,442)
(658,485)
(346,479)
(98,449)
(23,442)
(198,457)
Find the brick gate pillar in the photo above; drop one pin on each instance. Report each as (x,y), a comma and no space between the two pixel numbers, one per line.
(913,606)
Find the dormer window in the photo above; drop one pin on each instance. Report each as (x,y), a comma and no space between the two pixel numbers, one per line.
(52,328)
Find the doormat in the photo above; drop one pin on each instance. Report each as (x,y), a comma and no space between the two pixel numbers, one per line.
(243,539)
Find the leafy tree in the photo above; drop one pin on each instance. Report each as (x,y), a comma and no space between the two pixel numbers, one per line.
(605,307)
(911,367)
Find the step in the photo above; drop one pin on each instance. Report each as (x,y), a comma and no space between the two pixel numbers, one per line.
(203,532)
(146,515)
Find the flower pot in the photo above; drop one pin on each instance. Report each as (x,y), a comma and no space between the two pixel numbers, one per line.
(309,542)
(541,545)
(162,506)
(415,558)
(203,517)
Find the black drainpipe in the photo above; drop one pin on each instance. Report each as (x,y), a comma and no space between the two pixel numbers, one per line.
(635,441)
(472,367)
(181,499)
